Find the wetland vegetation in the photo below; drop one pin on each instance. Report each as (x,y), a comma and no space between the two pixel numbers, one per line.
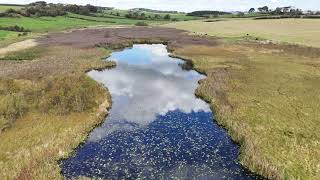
(262,85)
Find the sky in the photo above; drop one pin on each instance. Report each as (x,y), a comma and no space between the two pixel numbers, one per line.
(188,5)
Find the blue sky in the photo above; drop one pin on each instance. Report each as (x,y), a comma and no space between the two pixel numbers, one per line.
(189,5)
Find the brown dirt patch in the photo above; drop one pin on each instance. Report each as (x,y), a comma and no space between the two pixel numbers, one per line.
(92,37)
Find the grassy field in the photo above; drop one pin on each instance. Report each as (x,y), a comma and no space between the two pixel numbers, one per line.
(267,97)
(177,16)
(44,24)
(117,20)
(7,34)
(6,7)
(39,25)
(299,31)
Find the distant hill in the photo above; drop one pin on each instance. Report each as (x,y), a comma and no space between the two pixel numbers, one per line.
(154,11)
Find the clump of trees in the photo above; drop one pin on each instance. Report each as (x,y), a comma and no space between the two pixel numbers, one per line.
(251,10)
(14,28)
(135,15)
(143,16)
(41,8)
(264,9)
(289,11)
(207,13)
(83,10)
(167,16)
(286,11)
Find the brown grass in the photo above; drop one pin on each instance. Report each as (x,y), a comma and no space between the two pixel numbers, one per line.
(297,31)
(268,100)
(48,106)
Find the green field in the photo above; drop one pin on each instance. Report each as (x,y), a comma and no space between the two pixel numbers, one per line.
(299,31)
(177,16)
(7,34)
(5,7)
(117,20)
(48,24)
(44,24)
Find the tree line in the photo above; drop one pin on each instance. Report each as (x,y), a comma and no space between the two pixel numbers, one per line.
(142,16)
(41,8)
(207,13)
(288,10)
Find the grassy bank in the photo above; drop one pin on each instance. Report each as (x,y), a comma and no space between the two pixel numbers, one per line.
(48,106)
(299,31)
(268,99)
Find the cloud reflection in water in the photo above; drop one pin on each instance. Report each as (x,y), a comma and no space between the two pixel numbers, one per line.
(157,128)
(145,83)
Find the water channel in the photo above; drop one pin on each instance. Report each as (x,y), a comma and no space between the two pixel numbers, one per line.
(156,128)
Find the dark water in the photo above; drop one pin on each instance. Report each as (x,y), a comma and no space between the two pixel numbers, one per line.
(157,128)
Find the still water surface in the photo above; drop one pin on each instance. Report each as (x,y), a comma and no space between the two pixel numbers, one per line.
(157,128)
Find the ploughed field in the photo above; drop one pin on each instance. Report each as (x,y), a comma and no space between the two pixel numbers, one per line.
(265,95)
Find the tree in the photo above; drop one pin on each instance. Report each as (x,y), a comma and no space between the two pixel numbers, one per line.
(278,11)
(240,14)
(128,15)
(251,10)
(38,3)
(264,9)
(92,9)
(142,16)
(167,16)
(157,16)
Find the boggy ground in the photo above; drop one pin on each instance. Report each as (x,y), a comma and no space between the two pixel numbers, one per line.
(47,107)
(266,95)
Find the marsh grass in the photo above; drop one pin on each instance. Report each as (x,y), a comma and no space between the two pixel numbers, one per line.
(130,42)
(28,54)
(268,100)
(43,118)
